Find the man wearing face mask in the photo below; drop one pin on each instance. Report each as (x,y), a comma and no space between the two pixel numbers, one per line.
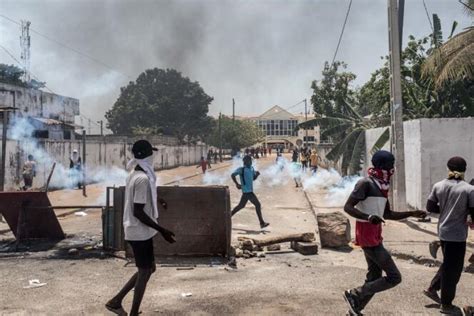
(140,222)
(369,204)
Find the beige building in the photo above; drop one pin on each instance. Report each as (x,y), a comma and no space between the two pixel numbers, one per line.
(279,127)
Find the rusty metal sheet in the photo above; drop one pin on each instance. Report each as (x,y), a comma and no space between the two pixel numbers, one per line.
(28,223)
(198,215)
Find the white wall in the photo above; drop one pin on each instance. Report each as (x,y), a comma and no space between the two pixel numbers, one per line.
(429,143)
(98,155)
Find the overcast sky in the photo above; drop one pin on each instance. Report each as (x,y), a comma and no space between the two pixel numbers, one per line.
(260,52)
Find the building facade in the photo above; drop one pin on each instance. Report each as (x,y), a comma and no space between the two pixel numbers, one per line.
(51,115)
(280,126)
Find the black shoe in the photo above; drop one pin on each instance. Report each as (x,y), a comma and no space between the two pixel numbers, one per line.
(434,246)
(353,302)
(432,295)
(451,310)
(264,224)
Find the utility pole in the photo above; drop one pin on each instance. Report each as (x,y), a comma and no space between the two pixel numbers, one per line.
(5,113)
(233,110)
(220,137)
(25,44)
(396,135)
(101,122)
(84,193)
(305,119)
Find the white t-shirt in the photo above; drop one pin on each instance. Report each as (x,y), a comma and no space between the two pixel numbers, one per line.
(138,190)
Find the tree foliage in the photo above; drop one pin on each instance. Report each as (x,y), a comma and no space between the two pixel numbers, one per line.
(344,112)
(162,101)
(12,74)
(235,134)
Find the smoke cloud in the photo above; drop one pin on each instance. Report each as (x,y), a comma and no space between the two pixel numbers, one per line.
(259,52)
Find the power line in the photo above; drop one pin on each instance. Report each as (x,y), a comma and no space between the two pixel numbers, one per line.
(428,16)
(69,47)
(342,33)
(19,64)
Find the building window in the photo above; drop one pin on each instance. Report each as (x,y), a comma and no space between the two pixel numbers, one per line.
(308,138)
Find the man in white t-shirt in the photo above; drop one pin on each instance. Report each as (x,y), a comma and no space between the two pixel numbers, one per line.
(140,225)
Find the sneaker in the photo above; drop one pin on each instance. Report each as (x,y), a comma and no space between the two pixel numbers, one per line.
(432,295)
(434,246)
(352,301)
(264,224)
(451,310)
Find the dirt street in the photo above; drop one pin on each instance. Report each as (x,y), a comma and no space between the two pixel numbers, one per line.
(286,283)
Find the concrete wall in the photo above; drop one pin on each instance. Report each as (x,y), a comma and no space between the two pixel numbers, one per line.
(429,143)
(98,155)
(371,137)
(38,103)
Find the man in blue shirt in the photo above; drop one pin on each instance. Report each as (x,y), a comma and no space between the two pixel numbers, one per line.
(247,175)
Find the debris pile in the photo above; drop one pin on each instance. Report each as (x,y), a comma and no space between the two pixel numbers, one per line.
(252,247)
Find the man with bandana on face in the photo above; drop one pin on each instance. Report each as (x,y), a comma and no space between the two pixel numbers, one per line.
(140,222)
(369,204)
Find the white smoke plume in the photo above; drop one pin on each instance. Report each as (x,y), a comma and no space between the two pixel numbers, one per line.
(63,177)
(337,188)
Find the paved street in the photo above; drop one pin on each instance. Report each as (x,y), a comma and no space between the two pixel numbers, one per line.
(283,283)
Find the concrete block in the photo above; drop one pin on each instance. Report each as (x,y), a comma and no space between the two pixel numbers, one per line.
(305,248)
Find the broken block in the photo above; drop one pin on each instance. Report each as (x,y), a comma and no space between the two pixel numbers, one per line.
(334,230)
(305,248)
(274,247)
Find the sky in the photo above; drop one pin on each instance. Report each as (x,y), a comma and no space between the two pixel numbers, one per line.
(259,52)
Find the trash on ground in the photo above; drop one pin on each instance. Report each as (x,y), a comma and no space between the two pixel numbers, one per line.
(33,284)
(80,213)
(186,294)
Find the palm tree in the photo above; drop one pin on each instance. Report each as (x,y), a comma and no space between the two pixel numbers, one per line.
(348,129)
(453,60)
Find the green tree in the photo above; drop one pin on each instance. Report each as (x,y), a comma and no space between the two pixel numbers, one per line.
(235,134)
(11,74)
(162,100)
(454,59)
(333,89)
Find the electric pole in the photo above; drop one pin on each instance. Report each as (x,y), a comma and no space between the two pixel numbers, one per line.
(233,110)
(101,127)
(25,49)
(220,137)
(396,135)
(305,119)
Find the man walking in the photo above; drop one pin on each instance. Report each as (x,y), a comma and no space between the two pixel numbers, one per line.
(140,225)
(453,199)
(369,204)
(247,175)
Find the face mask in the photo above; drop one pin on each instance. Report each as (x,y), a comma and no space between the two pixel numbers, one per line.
(149,160)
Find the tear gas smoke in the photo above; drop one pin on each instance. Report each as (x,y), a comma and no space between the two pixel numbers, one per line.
(337,188)
(63,177)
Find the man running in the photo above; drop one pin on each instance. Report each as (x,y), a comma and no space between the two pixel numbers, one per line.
(247,175)
(453,199)
(369,204)
(140,225)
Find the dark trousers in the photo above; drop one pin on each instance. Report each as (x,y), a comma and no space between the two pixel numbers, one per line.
(253,199)
(378,261)
(448,275)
